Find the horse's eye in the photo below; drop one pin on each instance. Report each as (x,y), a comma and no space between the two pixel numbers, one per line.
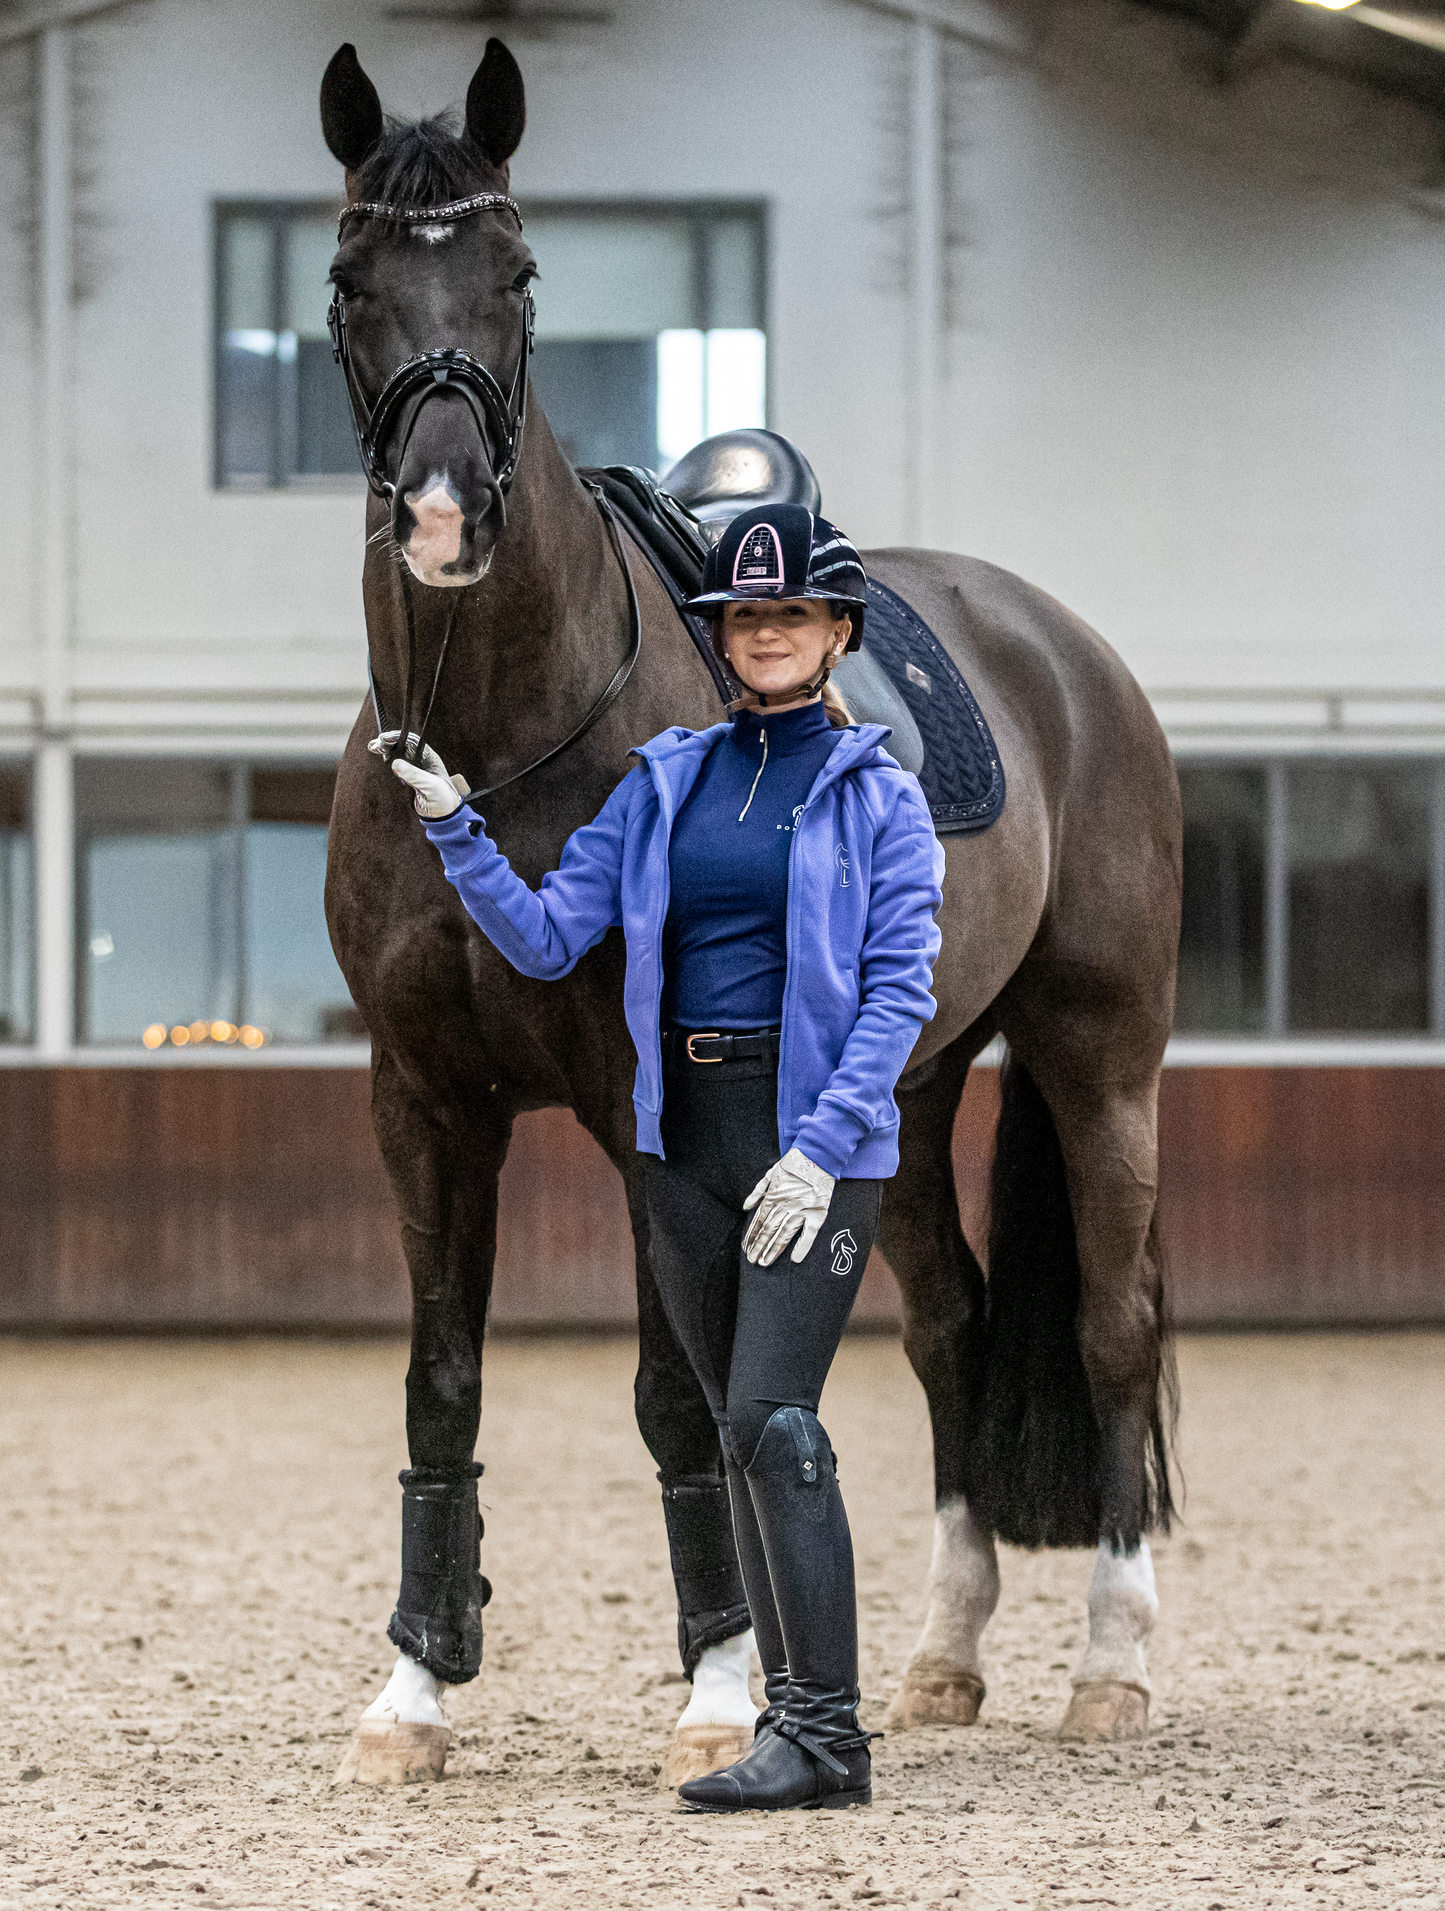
(524,278)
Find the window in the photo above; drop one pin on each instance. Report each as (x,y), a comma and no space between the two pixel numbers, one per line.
(650,327)
(17,907)
(282,416)
(1221,938)
(201,913)
(1314,897)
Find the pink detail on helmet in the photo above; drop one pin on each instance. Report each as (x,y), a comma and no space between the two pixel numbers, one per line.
(758,565)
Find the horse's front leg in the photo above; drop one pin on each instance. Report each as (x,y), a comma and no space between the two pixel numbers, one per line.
(714,1626)
(446,1189)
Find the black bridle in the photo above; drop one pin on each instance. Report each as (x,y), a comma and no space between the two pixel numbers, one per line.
(501,416)
(501,419)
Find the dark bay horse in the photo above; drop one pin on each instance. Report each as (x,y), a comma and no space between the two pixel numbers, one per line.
(1049,1385)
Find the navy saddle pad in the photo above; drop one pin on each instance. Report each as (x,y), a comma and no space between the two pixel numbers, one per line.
(939,732)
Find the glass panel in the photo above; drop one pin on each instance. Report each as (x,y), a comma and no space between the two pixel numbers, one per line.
(1221,941)
(600,396)
(162,933)
(310,248)
(612,277)
(323,444)
(17,910)
(295,991)
(159,890)
(736,380)
(246,362)
(248,292)
(1358,858)
(681,392)
(735,274)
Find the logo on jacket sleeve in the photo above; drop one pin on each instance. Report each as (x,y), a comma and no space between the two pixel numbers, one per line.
(845,1250)
(840,857)
(759,562)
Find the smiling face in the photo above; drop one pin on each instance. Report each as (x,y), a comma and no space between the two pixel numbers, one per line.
(779,644)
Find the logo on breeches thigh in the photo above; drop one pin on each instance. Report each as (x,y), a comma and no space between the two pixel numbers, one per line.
(844,1248)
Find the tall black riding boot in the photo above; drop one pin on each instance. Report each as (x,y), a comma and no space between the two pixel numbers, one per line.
(815,1755)
(766,1628)
(438,1617)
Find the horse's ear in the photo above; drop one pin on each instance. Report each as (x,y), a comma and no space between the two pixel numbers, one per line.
(496,105)
(350,108)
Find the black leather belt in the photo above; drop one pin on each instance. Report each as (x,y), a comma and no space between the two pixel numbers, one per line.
(712,1045)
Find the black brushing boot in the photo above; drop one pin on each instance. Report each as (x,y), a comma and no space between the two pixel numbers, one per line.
(815,1756)
(711,1602)
(766,1629)
(438,1617)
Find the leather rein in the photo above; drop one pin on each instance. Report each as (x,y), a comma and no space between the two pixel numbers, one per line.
(501,417)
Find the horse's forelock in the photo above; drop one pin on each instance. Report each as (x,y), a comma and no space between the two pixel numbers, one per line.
(422,163)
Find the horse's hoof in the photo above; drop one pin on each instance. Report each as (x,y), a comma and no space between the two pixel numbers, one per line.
(699,1749)
(935,1692)
(383,1752)
(1104,1710)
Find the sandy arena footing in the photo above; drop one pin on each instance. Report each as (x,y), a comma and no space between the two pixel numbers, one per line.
(201,1546)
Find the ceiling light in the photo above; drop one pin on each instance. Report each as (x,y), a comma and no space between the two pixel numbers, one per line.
(1334,6)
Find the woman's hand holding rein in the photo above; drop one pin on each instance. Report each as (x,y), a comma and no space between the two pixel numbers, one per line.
(793,1194)
(436,793)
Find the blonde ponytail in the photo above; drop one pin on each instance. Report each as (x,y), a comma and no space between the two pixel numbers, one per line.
(839,715)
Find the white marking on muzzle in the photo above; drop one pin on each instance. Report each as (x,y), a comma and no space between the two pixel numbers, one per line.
(436,539)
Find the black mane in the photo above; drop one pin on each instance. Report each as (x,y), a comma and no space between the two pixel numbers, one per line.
(422,163)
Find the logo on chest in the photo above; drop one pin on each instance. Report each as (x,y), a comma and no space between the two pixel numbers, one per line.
(788,828)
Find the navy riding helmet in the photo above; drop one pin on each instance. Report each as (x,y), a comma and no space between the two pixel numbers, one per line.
(783,550)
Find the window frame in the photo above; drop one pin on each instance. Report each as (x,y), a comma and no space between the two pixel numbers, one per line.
(278,212)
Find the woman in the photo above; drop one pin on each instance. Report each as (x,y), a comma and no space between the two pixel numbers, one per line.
(777,880)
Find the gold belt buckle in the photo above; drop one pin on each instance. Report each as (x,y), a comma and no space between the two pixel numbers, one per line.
(703,1061)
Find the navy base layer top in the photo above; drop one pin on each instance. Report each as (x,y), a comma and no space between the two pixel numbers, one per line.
(725,945)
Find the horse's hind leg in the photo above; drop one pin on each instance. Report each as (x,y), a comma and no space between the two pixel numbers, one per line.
(1106,1126)
(943,1322)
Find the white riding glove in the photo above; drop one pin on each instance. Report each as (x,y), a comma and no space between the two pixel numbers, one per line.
(793,1194)
(436,793)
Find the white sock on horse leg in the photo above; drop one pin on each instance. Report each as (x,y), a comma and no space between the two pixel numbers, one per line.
(720,1694)
(1123,1606)
(962,1589)
(412,1696)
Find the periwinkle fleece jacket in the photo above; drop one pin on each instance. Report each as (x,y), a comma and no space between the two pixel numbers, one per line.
(865,881)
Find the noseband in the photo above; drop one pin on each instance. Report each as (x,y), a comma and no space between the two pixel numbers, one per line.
(501,416)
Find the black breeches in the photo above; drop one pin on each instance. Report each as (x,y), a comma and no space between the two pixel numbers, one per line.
(758,1337)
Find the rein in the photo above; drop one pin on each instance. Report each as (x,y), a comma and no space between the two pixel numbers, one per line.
(501,417)
(413,742)
(449,368)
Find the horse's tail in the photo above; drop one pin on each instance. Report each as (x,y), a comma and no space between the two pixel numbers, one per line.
(1036,1458)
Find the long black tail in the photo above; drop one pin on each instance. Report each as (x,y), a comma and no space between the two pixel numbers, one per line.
(1035,1463)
